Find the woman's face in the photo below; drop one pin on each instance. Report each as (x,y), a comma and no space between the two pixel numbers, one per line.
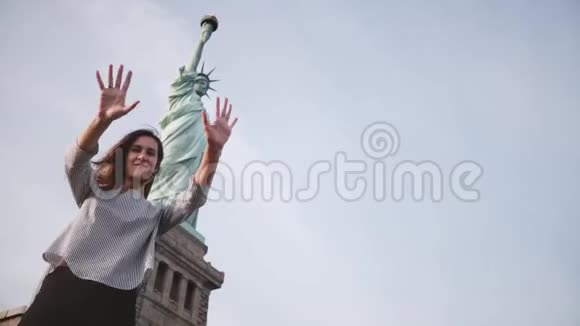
(142,159)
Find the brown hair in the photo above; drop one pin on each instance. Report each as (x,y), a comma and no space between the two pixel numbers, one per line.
(107,172)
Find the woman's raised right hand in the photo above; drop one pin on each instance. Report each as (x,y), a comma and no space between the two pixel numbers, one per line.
(112,104)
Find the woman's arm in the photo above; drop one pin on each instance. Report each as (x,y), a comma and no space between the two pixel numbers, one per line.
(182,207)
(217,135)
(78,168)
(88,140)
(194,197)
(111,107)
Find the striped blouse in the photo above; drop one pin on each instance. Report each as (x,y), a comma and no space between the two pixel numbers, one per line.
(112,238)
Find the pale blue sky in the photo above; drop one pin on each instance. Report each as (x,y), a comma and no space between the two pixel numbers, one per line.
(495,82)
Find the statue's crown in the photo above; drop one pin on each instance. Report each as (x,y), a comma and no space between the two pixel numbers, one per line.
(202,74)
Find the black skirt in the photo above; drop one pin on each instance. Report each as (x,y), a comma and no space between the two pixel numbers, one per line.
(65,299)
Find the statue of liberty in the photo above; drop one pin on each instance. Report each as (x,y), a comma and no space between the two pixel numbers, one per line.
(182,128)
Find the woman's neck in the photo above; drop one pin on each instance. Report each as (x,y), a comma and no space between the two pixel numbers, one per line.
(131,184)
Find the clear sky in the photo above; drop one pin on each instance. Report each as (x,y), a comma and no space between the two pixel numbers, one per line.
(490,82)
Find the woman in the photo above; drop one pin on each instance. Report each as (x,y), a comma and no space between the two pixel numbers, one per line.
(106,253)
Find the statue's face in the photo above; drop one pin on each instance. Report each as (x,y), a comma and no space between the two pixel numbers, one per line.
(200,86)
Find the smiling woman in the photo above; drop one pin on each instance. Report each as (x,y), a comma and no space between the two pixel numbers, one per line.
(106,253)
(138,154)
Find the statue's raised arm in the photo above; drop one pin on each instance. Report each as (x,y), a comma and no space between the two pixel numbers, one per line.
(209,24)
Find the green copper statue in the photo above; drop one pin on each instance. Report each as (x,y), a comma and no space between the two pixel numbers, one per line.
(182,128)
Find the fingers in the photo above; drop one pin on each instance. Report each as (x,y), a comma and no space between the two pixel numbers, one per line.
(204,119)
(225,107)
(226,112)
(118,81)
(217,107)
(233,123)
(110,76)
(100,81)
(131,107)
(229,112)
(127,81)
(119,77)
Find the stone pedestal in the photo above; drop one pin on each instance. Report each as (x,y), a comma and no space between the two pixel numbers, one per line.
(177,292)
